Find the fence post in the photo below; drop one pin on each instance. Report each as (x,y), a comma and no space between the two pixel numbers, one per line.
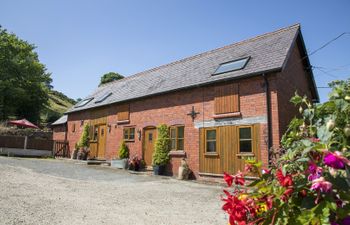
(25,142)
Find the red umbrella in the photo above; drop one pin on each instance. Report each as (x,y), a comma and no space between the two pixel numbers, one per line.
(23,123)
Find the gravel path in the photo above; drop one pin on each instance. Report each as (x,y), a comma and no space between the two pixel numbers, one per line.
(37,191)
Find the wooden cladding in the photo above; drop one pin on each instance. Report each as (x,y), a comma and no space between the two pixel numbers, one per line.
(226,99)
(228,156)
(123,112)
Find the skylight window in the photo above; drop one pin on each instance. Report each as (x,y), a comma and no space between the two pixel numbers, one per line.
(103,97)
(232,66)
(83,102)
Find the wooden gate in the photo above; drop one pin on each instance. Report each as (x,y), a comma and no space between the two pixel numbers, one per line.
(225,148)
(150,137)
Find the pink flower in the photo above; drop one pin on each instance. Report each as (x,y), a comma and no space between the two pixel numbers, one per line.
(314,171)
(320,184)
(336,160)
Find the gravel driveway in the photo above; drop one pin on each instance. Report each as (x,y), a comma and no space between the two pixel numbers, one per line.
(46,191)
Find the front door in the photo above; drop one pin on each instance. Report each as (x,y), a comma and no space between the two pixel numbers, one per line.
(101,141)
(150,136)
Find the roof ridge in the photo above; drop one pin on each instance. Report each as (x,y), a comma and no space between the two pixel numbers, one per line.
(204,53)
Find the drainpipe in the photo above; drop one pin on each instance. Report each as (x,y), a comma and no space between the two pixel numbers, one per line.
(269,115)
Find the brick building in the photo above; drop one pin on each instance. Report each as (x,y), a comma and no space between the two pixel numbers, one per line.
(221,105)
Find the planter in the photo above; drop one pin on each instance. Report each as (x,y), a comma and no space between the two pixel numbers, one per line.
(75,153)
(159,169)
(119,163)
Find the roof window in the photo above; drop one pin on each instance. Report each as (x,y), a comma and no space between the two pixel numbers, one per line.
(232,66)
(83,102)
(103,97)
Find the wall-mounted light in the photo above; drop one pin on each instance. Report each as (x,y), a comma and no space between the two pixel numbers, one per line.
(109,128)
(139,132)
(81,123)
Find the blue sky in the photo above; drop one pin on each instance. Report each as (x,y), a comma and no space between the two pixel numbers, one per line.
(80,40)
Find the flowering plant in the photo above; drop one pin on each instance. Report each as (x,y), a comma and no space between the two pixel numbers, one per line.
(134,163)
(310,182)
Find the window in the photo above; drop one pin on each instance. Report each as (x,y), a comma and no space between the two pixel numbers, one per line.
(123,112)
(73,127)
(129,133)
(95,133)
(177,136)
(232,66)
(226,98)
(103,97)
(210,140)
(245,139)
(83,102)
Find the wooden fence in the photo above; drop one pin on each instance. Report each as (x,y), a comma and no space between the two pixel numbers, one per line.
(21,142)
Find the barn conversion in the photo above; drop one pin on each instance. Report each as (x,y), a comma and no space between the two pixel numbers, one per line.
(220,105)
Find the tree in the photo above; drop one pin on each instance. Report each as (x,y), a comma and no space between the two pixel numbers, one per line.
(24,81)
(109,77)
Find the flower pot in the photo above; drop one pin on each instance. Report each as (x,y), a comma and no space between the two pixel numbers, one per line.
(75,153)
(158,169)
(119,163)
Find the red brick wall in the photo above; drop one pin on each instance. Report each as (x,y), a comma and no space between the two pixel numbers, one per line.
(172,109)
(59,132)
(293,78)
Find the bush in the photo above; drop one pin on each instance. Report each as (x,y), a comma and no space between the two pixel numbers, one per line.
(310,183)
(84,139)
(123,151)
(160,156)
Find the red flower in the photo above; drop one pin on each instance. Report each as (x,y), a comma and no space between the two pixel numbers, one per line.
(285,181)
(228,178)
(286,195)
(237,209)
(238,179)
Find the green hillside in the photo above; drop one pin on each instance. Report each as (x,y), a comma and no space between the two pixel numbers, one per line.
(57,105)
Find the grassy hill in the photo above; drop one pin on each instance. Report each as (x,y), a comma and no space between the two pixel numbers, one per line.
(58,104)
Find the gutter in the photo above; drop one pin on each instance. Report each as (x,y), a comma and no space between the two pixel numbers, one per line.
(269,115)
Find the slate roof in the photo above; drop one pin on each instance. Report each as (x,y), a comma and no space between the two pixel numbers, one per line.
(61,120)
(268,53)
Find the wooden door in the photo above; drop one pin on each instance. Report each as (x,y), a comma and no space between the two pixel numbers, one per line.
(102,132)
(149,140)
(229,156)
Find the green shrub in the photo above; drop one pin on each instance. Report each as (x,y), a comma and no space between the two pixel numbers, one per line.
(162,148)
(123,151)
(310,183)
(84,139)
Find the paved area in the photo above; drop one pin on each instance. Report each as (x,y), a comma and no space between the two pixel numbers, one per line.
(47,191)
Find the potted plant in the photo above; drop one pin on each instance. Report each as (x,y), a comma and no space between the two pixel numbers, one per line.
(135,164)
(160,156)
(75,151)
(122,162)
(84,143)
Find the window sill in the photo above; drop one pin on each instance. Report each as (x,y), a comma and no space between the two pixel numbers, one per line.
(227,115)
(245,154)
(177,153)
(213,154)
(129,140)
(93,141)
(123,121)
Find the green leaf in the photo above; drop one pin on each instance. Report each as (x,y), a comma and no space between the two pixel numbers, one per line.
(296,99)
